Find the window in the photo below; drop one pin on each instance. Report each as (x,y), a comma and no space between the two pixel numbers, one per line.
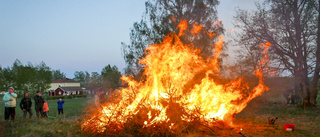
(59,93)
(74,92)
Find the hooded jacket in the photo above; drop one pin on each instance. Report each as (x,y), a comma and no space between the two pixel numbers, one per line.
(45,107)
(9,96)
(25,103)
(38,101)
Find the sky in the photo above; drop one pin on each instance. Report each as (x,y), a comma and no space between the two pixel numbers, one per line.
(77,35)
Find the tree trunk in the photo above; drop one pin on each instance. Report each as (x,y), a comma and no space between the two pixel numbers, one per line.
(314,86)
(295,95)
(302,69)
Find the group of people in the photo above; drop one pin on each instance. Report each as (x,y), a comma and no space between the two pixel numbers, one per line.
(41,106)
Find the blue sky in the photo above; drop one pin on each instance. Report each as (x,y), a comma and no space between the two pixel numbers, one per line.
(76,35)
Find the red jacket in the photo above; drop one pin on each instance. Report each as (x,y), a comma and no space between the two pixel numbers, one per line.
(45,107)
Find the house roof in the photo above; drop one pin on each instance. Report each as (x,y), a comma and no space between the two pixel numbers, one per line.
(71,88)
(64,81)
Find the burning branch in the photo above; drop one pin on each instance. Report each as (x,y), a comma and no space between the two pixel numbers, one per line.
(180,88)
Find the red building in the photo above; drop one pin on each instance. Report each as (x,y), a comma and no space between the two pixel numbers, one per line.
(66,91)
(93,90)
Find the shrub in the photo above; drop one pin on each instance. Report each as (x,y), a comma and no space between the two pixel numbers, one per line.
(64,97)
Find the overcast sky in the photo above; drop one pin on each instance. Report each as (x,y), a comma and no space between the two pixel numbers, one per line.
(76,35)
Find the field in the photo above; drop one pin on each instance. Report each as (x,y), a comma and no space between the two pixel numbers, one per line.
(253,120)
(61,125)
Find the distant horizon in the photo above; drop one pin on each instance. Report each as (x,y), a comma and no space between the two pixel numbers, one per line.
(58,69)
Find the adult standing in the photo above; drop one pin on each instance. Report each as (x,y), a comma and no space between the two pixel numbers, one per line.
(10,104)
(38,104)
(25,105)
(60,106)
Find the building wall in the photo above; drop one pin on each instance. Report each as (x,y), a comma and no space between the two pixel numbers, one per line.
(54,86)
(60,92)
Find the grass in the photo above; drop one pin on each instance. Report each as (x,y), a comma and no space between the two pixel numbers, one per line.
(253,120)
(61,125)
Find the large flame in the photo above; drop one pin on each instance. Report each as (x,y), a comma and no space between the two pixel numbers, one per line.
(179,85)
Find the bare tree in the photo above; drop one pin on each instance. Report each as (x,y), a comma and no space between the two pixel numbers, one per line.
(314,85)
(291,26)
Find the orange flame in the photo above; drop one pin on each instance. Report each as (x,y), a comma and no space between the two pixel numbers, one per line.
(196,28)
(179,85)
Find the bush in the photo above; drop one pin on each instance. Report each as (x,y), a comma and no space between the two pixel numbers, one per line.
(21,95)
(64,97)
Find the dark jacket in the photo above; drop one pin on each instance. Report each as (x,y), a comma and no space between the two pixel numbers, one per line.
(25,103)
(38,101)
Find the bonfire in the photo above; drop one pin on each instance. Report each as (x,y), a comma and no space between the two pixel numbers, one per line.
(180,88)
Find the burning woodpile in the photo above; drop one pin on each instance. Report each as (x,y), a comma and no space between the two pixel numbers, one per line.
(180,88)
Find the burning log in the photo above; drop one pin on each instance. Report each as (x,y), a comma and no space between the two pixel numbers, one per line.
(239,132)
(242,134)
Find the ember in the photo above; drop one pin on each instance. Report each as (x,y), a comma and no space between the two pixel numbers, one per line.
(179,87)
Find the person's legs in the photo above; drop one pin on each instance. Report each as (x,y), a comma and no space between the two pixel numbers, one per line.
(30,112)
(41,112)
(12,112)
(38,113)
(60,111)
(45,114)
(25,113)
(6,113)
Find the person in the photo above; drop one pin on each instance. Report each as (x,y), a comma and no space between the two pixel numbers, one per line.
(287,94)
(38,104)
(60,106)
(45,109)
(25,105)
(10,104)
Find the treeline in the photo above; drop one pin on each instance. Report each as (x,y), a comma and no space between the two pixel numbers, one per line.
(26,78)
(31,78)
(109,78)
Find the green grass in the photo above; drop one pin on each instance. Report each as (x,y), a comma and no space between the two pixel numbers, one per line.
(61,125)
(253,120)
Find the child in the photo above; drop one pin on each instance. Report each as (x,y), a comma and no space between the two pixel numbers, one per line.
(60,106)
(45,109)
